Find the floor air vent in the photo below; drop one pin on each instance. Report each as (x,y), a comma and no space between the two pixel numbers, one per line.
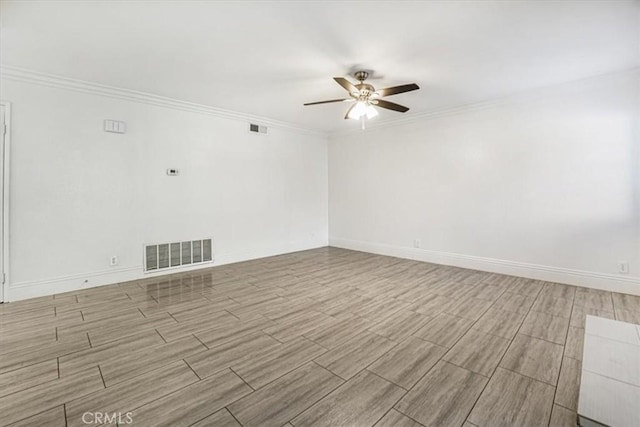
(177,254)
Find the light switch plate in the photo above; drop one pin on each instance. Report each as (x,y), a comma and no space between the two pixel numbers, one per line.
(115,126)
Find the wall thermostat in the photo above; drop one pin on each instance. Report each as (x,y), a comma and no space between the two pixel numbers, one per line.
(173,172)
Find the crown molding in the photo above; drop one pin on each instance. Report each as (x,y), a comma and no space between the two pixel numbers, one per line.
(56,81)
(60,82)
(523,96)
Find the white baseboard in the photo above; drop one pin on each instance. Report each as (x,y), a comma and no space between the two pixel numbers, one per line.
(589,279)
(267,251)
(39,288)
(58,285)
(609,282)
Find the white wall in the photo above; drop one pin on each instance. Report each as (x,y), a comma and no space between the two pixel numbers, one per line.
(80,195)
(544,185)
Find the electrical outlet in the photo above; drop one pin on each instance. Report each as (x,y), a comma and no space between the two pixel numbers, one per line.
(417,243)
(623,267)
(113,260)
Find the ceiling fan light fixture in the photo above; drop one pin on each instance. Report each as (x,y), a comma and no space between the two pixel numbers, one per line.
(359,110)
(371,112)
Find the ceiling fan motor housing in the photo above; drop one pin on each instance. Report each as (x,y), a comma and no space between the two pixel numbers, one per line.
(366,90)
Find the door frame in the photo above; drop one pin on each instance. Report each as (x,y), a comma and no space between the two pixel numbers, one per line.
(4,190)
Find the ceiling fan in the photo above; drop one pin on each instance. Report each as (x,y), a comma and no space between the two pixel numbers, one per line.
(366,97)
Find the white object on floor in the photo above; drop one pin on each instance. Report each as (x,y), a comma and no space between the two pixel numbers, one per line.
(610,382)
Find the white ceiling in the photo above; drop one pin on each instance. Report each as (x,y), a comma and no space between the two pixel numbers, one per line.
(268,58)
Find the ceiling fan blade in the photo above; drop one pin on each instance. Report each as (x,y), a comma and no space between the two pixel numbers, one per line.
(346,116)
(346,84)
(389,105)
(397,89)
(331,100)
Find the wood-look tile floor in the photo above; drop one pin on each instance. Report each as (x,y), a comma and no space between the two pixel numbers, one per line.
(323,337)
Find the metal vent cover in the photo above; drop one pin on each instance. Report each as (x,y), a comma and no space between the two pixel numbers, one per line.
(160,256)
(257,128)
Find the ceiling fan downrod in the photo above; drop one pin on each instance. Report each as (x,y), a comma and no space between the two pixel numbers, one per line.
(361,76)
